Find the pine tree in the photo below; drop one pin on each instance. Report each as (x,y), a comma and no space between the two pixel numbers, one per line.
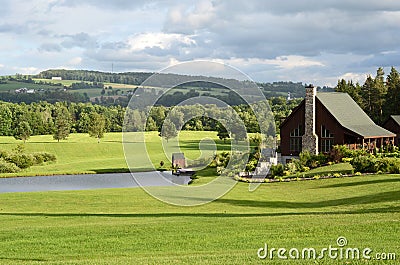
(393,94)
(367,94)
(379,95)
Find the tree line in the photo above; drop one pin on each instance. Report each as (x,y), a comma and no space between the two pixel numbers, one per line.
(378,96)
(61,118)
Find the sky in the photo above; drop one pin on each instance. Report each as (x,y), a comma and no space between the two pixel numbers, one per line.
(310,41)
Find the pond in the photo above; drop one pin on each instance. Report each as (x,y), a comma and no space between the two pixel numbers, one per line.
(90,181)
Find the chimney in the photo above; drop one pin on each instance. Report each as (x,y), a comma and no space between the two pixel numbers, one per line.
(310,139)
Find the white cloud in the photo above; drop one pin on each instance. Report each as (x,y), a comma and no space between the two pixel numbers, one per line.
(160,40)
(26,70)
(294,61)
(320,41)
(75,61)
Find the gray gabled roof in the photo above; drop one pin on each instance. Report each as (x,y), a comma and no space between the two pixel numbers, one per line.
(178,156)
(396,118)
(347,112)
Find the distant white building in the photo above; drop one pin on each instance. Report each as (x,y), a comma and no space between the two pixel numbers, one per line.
(24,90)
(59,78)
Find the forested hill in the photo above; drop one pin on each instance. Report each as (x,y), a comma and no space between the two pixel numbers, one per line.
(131,78)
(274,89)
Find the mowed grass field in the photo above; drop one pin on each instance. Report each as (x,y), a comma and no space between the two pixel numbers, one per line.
(128,226)
(82,154)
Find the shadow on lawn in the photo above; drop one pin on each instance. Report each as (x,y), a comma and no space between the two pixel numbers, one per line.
(122,170)
(206,215)
(390,196)
(111,170)
(360,183)
(194,145)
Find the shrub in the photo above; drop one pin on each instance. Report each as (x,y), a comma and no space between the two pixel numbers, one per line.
(291,167)
(347,159)
(277,170)
(316,177)
(364,164)
(21,160)
(48,157)
(383,164)
(337,175)
(7,167)
(395,168)
(305,158)
(38,158)
(312,161)
(3,154)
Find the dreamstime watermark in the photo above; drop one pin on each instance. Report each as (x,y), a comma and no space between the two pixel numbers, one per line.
(144,109)
(339,251)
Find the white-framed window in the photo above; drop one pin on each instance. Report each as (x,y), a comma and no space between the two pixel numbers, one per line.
(295,141)
(327,140)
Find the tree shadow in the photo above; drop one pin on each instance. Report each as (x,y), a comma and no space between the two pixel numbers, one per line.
(121,170)
(204,215)
(390,196)
(360,183)
(194,145)
(111,170)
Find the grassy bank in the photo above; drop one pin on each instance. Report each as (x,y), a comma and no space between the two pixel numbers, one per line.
(127,226)
(82,154)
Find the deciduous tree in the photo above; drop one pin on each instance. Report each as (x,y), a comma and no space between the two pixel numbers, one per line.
(97,126)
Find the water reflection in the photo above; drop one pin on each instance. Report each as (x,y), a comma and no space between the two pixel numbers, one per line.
(92,181)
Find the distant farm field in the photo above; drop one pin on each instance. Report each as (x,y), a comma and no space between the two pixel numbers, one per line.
(13,85)
(82,154)
(128,226)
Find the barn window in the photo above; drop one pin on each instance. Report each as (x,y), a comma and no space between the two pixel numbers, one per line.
(295,139)
(327,140)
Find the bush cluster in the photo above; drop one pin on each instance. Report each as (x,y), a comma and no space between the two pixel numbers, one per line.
(7,167)
(373,164)
(17,159)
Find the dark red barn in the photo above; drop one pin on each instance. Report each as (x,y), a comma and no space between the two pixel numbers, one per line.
(393,124)
(325,119)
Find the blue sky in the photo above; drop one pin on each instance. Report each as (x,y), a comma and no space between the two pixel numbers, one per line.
(307,41)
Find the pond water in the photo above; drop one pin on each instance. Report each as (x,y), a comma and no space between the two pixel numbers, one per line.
(91,181)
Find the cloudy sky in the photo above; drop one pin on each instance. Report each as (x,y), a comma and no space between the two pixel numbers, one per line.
(310,41)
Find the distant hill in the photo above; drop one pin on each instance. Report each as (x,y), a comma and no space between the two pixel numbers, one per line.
(117,88)
(274,89)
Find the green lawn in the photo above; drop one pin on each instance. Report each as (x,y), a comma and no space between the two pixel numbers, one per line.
(82,154)
(127,226)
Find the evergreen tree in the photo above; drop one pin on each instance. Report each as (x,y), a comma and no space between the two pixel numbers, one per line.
(379,95)
(367,95)
(351,89)
(392,106)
